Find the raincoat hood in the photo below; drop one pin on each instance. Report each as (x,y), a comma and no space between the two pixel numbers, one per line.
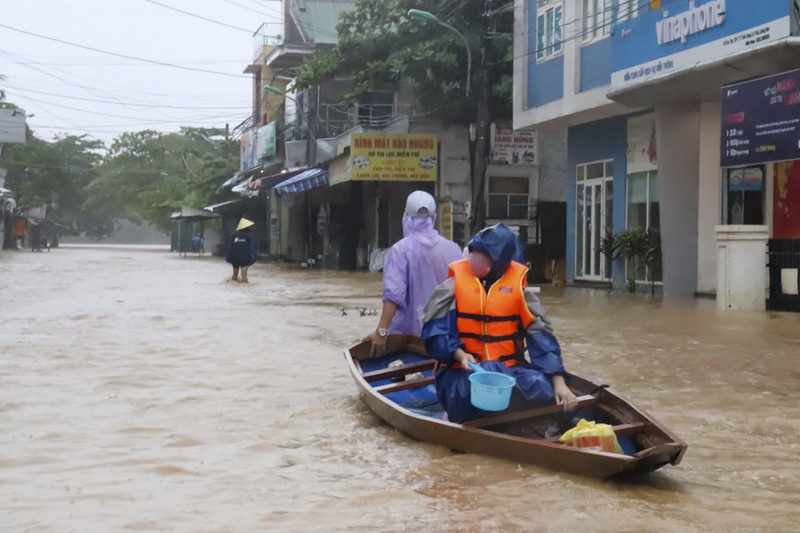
(420,229)
(499,243)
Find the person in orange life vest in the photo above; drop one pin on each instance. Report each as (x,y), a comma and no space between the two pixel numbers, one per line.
(484,313)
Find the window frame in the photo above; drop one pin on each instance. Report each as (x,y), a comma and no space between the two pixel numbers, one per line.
(627,10)
(508,195)
(550,48)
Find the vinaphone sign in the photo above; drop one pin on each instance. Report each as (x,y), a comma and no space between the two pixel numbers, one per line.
(684,34)
(694,20)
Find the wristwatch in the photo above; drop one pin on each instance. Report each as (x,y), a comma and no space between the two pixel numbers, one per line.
(381,332)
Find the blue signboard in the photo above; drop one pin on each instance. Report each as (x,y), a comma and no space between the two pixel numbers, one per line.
(761,120)
(683,34)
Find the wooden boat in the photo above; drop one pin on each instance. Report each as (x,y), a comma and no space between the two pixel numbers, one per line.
(398,387)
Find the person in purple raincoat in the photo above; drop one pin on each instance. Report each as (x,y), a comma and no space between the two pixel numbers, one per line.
(414,266)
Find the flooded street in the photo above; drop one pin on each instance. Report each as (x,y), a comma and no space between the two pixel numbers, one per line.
(140,391)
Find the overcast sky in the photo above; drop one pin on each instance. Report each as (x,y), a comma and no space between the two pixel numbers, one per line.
(73,90)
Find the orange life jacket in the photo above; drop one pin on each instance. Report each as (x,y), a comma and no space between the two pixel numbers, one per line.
(492,323)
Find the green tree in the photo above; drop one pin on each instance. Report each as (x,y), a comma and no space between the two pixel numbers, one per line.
(379,45)
(52,173)
(146,175)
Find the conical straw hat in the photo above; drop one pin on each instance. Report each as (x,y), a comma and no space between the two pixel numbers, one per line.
(244,223)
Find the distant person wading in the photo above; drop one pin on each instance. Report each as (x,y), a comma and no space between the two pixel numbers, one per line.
(240,250)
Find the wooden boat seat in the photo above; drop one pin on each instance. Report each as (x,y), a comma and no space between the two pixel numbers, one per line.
(515,416)
(398,371)
(404,385)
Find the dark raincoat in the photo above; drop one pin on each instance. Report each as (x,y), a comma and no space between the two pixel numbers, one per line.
(240,250)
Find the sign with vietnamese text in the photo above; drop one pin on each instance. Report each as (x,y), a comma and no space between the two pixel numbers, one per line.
(761,120)
(509,147)
(683,34)
(394,157)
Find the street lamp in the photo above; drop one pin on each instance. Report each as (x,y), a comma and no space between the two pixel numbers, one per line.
(301,119)
(430,17)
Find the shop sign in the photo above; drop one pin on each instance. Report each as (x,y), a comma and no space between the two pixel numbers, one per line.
(685,34)
(509,147)
(446,220)
(266,141)
(338,170)
(247,150)
(694,20)
(394,157)
(761,120)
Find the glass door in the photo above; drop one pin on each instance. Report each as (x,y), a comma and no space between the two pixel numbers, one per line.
(594,203)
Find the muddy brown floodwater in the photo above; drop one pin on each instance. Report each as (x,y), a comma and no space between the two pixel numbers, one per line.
(140,391)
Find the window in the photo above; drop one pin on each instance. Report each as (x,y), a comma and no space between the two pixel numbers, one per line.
(508,198)
(643,213)
(600,16)
(548,29)
(743,196)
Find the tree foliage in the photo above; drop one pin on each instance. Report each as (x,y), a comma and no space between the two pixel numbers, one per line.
(146,175)
(379,44)
(142,177)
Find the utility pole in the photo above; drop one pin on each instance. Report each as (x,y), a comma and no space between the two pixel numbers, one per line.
(482,119)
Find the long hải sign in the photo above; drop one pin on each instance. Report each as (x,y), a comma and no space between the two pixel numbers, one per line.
(761,120)
(394,157)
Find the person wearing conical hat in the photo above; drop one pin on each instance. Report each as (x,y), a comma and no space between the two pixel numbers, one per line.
(241,250)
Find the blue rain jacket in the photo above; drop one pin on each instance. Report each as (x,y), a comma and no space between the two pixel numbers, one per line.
(440,334)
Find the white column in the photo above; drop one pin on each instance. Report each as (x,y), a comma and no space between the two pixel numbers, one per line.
(678,147)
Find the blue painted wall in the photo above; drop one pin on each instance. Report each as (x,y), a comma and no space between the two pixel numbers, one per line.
(545,81)
(600,140)
(596,65)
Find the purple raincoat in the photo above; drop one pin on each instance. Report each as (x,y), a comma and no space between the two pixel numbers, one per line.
(414,266)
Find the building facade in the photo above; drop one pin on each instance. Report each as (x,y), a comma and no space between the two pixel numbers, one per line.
(640,88)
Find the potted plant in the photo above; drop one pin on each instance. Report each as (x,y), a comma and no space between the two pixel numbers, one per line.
(632,244)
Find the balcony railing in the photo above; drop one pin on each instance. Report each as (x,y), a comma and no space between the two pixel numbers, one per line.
(268,34)
(335,119)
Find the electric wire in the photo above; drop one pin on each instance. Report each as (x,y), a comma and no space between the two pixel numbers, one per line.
(126,56)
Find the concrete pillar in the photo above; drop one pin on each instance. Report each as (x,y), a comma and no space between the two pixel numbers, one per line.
(678,147)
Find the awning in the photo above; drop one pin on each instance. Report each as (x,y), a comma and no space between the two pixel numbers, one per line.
(305,181)
(268,182)
(224,207)
(188,213)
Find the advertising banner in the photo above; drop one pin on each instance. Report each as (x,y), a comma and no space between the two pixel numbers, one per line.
(509,147)
(266,141)
(761,120)
(684,34)
(642,154)
(394,157)
(247,150)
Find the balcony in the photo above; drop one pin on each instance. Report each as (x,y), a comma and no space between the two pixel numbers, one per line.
(268,35)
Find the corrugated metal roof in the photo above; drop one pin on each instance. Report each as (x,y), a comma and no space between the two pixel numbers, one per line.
(317,19)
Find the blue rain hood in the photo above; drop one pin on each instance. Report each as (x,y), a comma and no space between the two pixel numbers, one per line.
(499,243)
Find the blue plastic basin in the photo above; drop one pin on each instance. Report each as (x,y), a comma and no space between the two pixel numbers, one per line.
(491,391)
